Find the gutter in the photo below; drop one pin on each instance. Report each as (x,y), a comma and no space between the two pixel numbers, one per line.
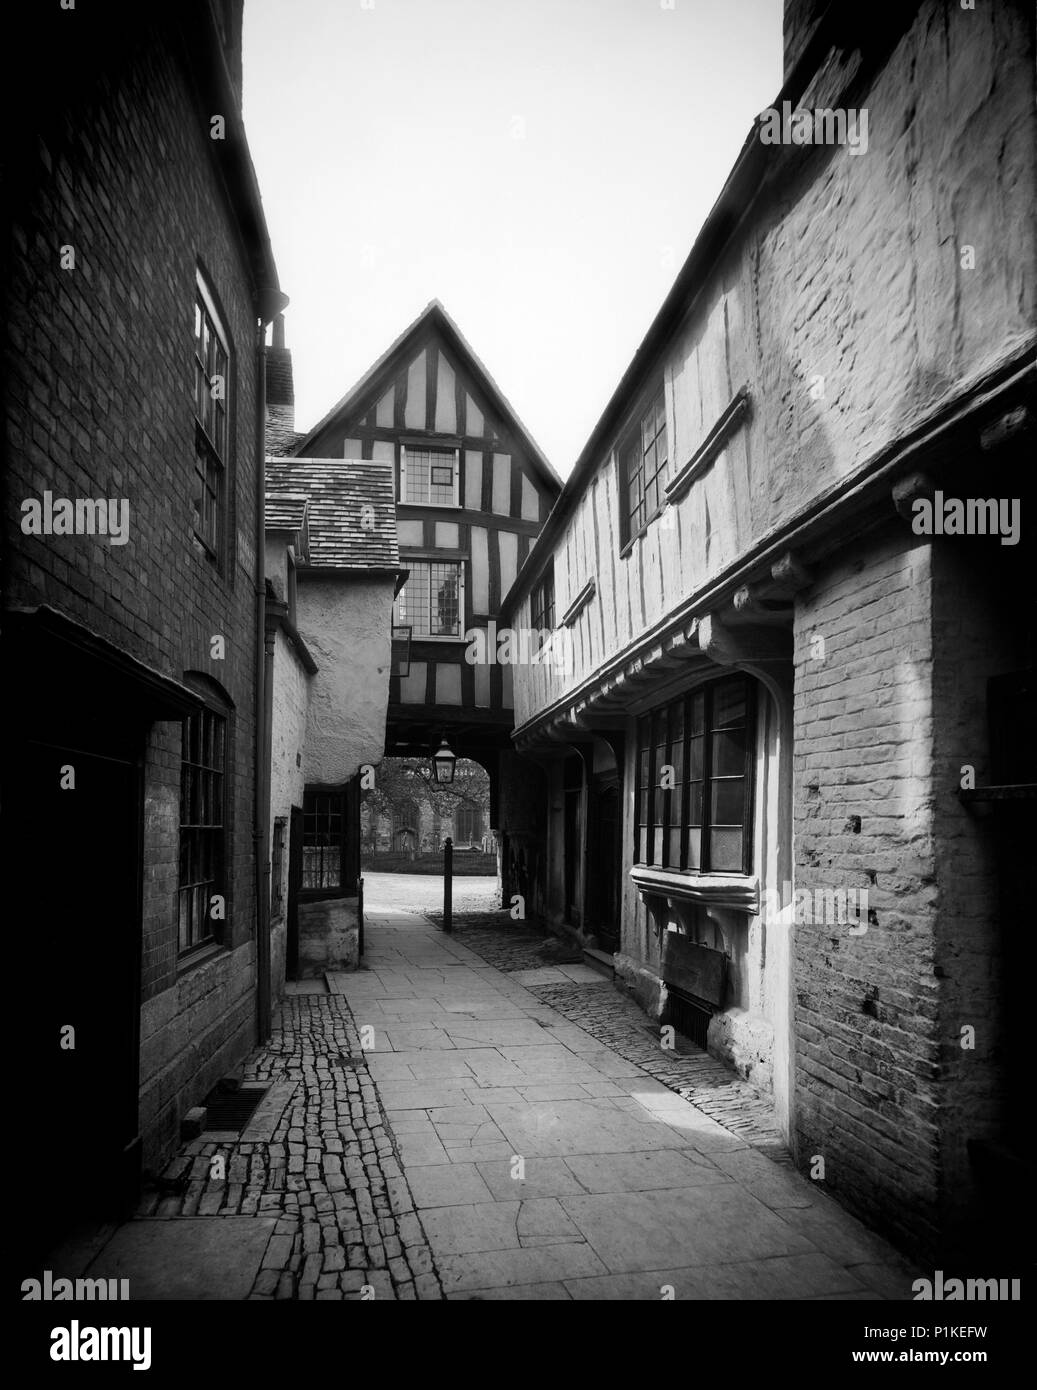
(354,572)
(277,619)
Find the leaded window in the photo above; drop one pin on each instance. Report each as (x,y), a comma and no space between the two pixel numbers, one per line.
(202,830)
(644,460)
(694,781)
(430,476)
(542,608)
(431,603)
(211,406)
(323,839)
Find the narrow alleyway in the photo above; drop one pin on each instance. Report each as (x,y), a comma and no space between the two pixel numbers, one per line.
(544,1165)
(434,1128)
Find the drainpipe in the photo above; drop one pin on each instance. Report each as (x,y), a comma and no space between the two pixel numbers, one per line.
(271,303)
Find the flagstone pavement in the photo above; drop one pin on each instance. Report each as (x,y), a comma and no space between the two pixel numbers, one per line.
(543,1165)
(434,1126)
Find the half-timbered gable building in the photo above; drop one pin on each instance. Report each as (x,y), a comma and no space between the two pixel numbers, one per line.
(472,492)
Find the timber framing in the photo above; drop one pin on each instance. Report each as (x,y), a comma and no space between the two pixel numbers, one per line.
(704,626)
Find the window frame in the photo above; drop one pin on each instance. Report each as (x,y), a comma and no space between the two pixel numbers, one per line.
(217,880)
(430,447)
(278,861)
(631,443)
(403,618)
(659,805)
(542,602)
(339,794)
(475,814)
(212,449)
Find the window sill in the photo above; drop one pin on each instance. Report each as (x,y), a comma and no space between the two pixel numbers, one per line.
(579,603)
(426,506)
(640,535)
(202,955)
(735,892)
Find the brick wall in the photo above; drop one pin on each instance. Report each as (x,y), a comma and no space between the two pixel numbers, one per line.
(972,641)
(100,404)
(867,1045)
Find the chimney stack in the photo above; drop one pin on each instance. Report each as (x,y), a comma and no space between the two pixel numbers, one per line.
(280,396)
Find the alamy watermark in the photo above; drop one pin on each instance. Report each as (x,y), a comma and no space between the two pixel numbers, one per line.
(973,1290)
(824,126)
(836,907)
(85,516)
(48,1289)
(968,516)
(522,646)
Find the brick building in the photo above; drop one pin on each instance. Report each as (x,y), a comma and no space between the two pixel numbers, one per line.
(139,277)
(790,761)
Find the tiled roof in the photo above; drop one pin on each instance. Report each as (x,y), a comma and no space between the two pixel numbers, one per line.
(352,509)
(285,511)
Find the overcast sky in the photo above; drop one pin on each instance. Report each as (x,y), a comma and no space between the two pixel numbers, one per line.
(540,166)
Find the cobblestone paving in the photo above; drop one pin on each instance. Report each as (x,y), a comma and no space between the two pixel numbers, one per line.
(502,943)
(326,1166)
(614,1019)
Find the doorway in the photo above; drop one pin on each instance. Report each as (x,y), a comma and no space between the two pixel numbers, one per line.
(77,847)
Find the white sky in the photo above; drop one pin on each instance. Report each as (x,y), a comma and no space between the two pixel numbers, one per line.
(540,166)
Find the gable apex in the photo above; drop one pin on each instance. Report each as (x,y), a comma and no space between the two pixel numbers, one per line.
(374,393)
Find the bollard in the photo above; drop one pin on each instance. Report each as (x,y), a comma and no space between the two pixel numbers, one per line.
(448,883)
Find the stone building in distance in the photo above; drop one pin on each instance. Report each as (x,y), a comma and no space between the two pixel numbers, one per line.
(790,768)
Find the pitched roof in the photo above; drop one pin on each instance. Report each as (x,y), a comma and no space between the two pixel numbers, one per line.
(352,510)
(435,314)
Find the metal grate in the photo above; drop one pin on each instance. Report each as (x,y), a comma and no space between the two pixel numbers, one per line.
(230,1111)
(689,1016)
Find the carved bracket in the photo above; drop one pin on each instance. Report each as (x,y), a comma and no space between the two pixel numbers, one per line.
(908,490)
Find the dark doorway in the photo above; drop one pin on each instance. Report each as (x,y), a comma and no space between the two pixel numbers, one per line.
(573,838)
(75,823)
(603,848)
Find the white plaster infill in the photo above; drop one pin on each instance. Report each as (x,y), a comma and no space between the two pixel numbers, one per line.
(735,892)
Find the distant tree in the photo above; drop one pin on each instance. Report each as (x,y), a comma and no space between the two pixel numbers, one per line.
(398,781)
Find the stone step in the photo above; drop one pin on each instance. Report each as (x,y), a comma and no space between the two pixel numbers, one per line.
(601,961)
